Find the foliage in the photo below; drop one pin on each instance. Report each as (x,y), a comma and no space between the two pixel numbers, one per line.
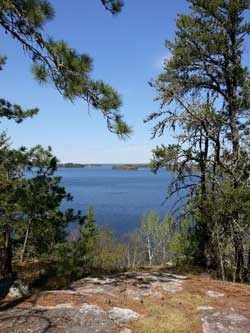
(185,244)
(150,243)
(31,204)
(109,254)
(14,111)
(225,230)
(114,6)
(74,256)
(89,250)
(204,96)
(31,194)
(57,63)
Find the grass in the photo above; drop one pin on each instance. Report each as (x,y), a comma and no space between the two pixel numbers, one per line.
(160,319)
(177,313)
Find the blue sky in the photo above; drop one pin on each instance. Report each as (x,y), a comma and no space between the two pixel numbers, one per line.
(128,51)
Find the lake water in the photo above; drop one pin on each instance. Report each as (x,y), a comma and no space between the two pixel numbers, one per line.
(119,197)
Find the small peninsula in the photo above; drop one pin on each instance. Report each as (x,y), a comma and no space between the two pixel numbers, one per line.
(78,165)
(71,165)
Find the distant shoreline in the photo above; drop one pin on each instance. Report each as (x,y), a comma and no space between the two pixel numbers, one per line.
(117,166)
(127,166)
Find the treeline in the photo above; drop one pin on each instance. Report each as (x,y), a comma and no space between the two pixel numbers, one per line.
(71,165)
(77,165)
(128,166)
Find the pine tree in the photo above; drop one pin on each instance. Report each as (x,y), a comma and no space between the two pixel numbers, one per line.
(206,56)
(55,62)
(204,93)
(88,231)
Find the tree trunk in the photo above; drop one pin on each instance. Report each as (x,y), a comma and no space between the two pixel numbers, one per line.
(234,130)
(237,239)
(239,264)
(134,258)
(149,252)
(248,261)
(25,241)
(128,256)
(164,255)
(222,267)
(238,258)
(204,230)
(232,85)
(220,252)
(6,264)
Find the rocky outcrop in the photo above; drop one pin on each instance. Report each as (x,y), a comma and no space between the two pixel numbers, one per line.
(151,301)
(135,285)
(224,321)
(121,315)
(18,289)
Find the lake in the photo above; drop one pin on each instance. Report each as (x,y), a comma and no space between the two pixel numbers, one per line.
(119,197)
